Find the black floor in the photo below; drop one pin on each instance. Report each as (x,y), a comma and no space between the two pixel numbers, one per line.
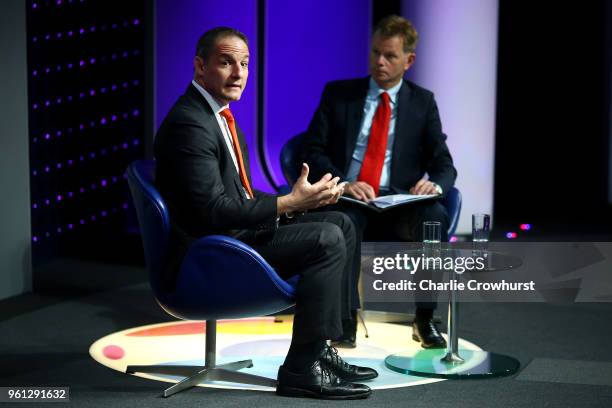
(45,339)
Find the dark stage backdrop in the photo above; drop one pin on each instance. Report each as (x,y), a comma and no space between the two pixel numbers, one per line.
(86,91)
(553,115)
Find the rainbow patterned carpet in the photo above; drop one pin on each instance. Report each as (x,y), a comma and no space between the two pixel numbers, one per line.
(261,339)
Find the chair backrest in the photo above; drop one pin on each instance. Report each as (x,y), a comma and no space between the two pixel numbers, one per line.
(152,215)
(291,159)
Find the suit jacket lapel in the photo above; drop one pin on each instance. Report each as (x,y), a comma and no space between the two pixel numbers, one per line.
(354,116)
(403,131)
(193,93)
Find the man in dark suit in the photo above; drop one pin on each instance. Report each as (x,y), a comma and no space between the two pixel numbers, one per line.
(383,135)
(203,174)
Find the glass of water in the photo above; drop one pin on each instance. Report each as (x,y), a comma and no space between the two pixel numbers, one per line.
(481,226)
(432,235)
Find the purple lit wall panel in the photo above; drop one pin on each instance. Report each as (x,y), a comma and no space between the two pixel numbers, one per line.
(179,25)
(308,44)
(457,60)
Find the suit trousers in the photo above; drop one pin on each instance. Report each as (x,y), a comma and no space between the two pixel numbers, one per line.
(401,224)
(319,247)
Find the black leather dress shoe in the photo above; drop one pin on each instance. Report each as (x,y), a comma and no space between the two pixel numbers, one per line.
(318,382)
(347,372)
(425,331)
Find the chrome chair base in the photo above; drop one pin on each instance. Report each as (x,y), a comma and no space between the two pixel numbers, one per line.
(194,375)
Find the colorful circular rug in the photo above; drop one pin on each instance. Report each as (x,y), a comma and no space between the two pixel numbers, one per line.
(260,339)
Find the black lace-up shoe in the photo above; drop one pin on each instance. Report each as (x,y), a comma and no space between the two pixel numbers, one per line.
(318,382)
(348,372)
(426,332)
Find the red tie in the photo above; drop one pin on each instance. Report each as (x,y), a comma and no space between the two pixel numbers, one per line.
(374,159)
(231,123)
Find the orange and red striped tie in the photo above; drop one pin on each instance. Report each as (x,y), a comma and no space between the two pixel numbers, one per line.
(231,123)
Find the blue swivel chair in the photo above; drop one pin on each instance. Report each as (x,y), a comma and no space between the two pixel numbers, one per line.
(291,165)
(220,278)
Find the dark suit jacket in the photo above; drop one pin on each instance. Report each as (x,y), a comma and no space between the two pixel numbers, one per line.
(419,146)
(199,182)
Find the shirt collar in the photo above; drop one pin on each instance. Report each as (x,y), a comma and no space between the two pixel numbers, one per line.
(209,98)
(374,90)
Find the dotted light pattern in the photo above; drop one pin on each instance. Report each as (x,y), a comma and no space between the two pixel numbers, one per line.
(86,98)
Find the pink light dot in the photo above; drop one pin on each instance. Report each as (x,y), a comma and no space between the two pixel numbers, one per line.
(47,37)
(114,118)
(47,70)
(35,238)
(35,73)
(92,29)
(35,106)
(103,183)
(81,31)
(113,352)
(34,6)
(103,121)
(525,227)
(81,63)
(59,165)
(47,136)
(81,126)
(125,145)
(92,61)
(70,226)
(81,190)
(47,103)
(59,35)
(34,206)
(70,33)
(47,169)
(47,202)
(82,221)
(34,173)
(92,92)
(59,198)
(453,239)
(58,133)
(136,21)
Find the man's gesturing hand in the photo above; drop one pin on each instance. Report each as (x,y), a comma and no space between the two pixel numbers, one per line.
(305,196)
